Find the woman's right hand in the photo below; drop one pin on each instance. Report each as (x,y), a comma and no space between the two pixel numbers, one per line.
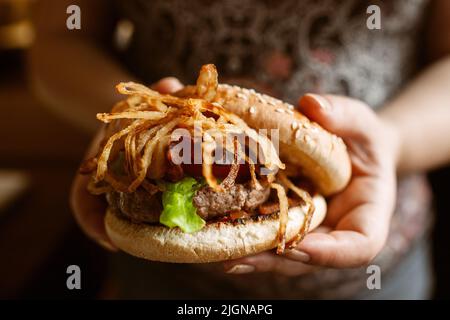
(89,210)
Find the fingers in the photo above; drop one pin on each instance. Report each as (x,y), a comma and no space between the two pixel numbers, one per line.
(337,249)
(359,191)
(167,85)
(265,262)
(343,116)
(89,211)
(372,143)
(358,238)
(360,215)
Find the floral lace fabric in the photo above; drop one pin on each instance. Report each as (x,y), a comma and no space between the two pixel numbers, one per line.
(286,48)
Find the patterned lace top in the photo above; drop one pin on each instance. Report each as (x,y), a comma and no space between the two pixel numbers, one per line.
(287,48)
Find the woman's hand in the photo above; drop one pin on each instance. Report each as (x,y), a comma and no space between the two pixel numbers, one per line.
(358,218)
(89,210)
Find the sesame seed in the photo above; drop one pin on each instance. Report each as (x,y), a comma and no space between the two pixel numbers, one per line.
(216,104)
(294,125)
(298,134)
(289,106)
(252,110)
(337,139)
(270,102)
(252,91)
(289,112)
(308,140)
(279,110)
(241,95)
(261,99)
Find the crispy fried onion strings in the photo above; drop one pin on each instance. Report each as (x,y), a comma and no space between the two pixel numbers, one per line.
(102,163)
(141,127)
(208,147)
(271,160)
(148,152)
(207,82)
(308,207)
(284,211)
(206,89)
(255,182)
(96,189)
(148,115)
(228,182)
(283,216)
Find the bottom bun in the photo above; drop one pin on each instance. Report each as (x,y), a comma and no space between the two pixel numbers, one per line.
(216,241)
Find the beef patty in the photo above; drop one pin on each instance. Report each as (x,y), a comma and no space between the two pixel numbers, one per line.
(140,206)
(211,204)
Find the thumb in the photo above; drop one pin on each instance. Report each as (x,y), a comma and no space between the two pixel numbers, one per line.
(343,116)
(167,85)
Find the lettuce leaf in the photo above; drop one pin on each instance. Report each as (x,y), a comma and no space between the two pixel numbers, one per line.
(179,211)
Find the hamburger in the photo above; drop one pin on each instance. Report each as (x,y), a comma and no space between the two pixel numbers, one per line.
(212,172)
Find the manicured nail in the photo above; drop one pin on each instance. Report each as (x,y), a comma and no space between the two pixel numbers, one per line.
(241,269)
(297,255)
(323,103)
(108,246)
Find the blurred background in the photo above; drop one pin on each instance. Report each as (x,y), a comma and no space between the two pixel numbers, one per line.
(39,154)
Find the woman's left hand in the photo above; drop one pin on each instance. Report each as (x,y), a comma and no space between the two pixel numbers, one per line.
(358,218)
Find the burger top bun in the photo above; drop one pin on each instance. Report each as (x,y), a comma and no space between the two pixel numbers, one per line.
(216,241)
(319,155)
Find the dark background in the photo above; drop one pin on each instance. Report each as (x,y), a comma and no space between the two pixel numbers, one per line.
(38,236)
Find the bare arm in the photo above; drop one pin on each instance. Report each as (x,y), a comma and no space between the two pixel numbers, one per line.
(421,113)
(70,71)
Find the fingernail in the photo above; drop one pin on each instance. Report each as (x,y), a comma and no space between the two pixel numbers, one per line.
(174,82)
(174,79)
(323,103)
(106,245)
(241,269)
(297,255)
